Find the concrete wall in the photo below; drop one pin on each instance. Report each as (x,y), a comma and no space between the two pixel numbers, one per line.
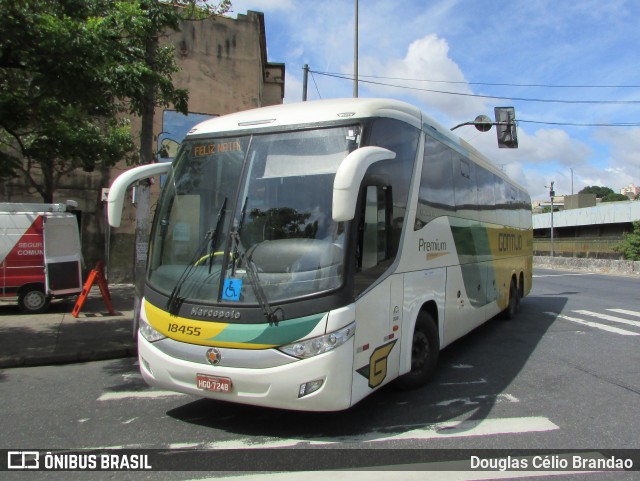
(591,265)
(603,213)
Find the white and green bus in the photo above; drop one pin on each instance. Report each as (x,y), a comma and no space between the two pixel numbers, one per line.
(304,255)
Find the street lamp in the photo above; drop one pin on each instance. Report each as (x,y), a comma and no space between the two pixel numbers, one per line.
(552,193)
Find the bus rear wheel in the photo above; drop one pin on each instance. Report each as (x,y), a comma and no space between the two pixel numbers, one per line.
(514,300)
(33,300)
(424,353)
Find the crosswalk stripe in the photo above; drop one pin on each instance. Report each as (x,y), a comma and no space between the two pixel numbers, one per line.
(607,317)
(625,311)
(450,429)
(595,325)
(116,396)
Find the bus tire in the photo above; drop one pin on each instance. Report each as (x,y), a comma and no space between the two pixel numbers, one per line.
(514,299)
(33,300)
(425,349)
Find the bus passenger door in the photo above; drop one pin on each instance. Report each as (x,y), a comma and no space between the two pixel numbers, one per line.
(379,302)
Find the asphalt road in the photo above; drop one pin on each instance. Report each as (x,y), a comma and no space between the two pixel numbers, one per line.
(565,374)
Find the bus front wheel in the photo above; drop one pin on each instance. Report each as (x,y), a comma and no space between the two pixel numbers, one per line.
(424,353)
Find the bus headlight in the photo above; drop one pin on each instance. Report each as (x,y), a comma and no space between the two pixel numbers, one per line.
(318,345)
(148,332)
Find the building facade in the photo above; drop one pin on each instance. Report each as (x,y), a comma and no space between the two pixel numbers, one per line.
(591,232)
(224,66)
(630,191)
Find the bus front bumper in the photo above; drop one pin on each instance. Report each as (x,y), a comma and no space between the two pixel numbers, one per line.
(277,387)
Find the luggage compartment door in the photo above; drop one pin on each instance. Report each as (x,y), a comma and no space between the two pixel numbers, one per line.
(62,255)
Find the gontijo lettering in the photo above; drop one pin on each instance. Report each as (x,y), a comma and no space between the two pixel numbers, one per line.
(509,242)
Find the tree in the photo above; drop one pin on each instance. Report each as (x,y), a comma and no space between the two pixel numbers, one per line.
(70,72)
(600,192)
(629,246)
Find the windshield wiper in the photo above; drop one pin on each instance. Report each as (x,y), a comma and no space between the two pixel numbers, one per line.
(211,238)
(236,238)
(216,232)
(252,272)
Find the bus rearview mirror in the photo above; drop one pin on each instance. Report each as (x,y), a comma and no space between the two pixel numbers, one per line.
(115,199)
(346,184)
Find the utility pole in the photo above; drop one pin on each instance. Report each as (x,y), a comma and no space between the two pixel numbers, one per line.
(355,55)
(142,196)
(571,180)
(305,80)
(552,194)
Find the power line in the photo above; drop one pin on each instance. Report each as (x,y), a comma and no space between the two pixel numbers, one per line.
(574,124)
(492,84)
(314,83)
(493,97)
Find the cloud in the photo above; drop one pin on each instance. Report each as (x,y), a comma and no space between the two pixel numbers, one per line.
(265,6)
(624,149)
(426,58)
(541,157)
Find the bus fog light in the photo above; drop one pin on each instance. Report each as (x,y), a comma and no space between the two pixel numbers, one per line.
(318,345)
(309,387)
(148,332)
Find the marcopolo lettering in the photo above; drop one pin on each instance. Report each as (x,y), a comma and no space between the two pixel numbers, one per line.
(509,242)
(214,313)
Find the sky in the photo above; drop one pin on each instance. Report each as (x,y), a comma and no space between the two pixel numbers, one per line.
(558,63)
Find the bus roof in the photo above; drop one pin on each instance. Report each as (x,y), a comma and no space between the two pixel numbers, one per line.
(318,111)
(311,112)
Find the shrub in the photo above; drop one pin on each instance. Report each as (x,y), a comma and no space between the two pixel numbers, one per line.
(629,246)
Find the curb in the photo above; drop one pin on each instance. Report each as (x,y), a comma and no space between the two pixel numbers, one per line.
(69,357)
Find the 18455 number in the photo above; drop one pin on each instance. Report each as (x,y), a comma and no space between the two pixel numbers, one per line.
(187,330)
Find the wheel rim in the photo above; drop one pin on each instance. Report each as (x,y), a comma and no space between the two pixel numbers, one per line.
(419,351)
(34,300)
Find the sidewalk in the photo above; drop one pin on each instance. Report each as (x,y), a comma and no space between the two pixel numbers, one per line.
(56,337)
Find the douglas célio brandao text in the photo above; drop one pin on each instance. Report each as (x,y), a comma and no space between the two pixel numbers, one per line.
(593,461)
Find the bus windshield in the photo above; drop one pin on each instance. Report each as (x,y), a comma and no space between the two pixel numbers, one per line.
(247,219)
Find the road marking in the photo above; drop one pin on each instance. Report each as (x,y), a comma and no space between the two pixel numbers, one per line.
(624,311)
(116,396)
(442,471)
(462,383)
(607,317)
(469,401)
(595,325)
(450,429)
(462,366)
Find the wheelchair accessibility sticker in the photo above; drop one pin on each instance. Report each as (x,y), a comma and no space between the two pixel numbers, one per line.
(231,289)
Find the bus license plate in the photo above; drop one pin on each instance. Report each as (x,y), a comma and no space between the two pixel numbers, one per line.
(213,383)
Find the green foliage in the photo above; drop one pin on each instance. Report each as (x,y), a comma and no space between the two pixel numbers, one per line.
(600,192)
(614,197)
(71,70)
(629,246)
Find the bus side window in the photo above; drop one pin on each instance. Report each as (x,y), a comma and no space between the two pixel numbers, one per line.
(374,242)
